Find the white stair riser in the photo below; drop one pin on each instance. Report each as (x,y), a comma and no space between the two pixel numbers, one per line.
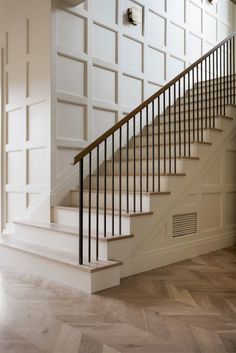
(145,200)
(194,150)
(169,166)
(194,123)
(63,273)
(192,115)
(71,218)
(216,82)
(191,99)
(230,110)
(65,241)
(206,90)
(188,135)
(202,104)
(48,238)
(166,183)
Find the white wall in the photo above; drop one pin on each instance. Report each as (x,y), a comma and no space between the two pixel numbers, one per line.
(25,33)
(106,66)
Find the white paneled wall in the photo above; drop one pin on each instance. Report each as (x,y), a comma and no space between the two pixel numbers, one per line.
(218,194)
(106,66)
(26,122)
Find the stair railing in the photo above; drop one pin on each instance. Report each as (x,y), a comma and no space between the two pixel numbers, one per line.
(129,159)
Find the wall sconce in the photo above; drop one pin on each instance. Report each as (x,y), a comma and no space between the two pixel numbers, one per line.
(134,16)
(213,2)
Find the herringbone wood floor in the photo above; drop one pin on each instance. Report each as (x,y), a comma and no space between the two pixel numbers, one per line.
(189,307)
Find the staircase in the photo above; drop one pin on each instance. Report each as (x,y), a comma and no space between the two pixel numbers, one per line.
(131,177)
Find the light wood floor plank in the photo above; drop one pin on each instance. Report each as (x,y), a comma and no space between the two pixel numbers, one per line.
(188,307)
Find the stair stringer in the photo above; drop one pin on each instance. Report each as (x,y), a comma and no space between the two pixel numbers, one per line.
(154,247)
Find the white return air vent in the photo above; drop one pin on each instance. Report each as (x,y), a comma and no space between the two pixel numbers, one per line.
(184,224)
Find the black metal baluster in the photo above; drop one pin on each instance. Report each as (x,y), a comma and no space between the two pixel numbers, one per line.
(97,207)
(127,168)
(206,95)
(134,162)
(193,105)
(234,78)
(164,121)
(227,71)
(105,188)
(202,95)
(89,208)
(224,73)
(120,179)
(147,152)
(221,88)
(113,187)
(184,117)
(141,162)
(189,131)
(214,80)
(81,209)
(217,84)
(180,125)
(170,111)
(174,128)
(209,76)
(198,103)
(153,148)
(230,67)
(159,147)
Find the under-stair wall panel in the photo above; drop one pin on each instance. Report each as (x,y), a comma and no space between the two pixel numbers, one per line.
(27,111)
(106,66)
(201,218)
(213,197)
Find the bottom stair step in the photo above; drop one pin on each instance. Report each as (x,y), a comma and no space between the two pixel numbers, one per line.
(66,238)
(60,266)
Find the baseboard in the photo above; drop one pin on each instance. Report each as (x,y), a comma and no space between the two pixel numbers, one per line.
(175,253)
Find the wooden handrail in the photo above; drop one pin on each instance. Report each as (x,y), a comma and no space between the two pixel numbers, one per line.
(137,110)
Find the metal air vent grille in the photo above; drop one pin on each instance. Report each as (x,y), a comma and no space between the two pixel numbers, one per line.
(184,224)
